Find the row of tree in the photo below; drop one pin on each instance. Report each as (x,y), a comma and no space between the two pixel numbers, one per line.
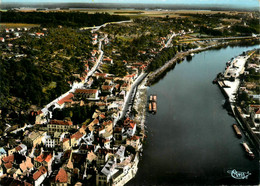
(69,19)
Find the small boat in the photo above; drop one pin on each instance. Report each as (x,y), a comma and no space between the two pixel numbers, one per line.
(192,54)
(151,98)
(154,98)
(154,106)
(238,132)
(248,150)
(150,107)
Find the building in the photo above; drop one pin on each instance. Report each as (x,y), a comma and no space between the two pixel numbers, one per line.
(39,176)
(134,142)
(35,138)
(91,94)
(59,126)
(44,159)
(61,179)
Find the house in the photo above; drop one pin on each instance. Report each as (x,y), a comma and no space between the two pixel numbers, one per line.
(16,34)
(91,94)
(76,138)
(2,39)
(102,75)
(108,60)
(26,166)
(103,178)
(92,125)
(134,141)
(95,36)
(53,140)
(40,117)
(130,127)
(62,178)
(132,76)
(90,82)
(107,88)
(93,52)
(21,149)
(108,126)
(125,87)
(8,163)
(44,159)
(66,101)
(39,176)
(34,138)
(59,126)
(39,34)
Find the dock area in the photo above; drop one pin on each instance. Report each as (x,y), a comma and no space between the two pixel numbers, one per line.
(231,81)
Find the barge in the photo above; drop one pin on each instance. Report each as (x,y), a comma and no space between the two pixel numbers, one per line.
(248,150)
(152,107)
(237,131)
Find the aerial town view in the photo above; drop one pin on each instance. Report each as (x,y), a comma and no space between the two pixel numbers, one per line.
(111,92)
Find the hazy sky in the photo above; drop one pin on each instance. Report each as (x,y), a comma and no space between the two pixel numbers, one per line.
(248,3)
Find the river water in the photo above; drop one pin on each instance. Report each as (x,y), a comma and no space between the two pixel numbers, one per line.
(190,139)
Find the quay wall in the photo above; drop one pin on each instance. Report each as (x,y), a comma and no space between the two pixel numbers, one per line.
(245,124)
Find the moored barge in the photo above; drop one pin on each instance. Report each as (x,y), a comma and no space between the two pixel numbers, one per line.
(248,150)
(237,131)
(152,107)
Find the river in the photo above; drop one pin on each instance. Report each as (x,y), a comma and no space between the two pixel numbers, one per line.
(190,139)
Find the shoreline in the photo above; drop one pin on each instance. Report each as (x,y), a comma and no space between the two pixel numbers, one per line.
(153,76)
(229,94)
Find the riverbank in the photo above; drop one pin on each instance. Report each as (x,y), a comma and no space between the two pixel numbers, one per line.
(190,111)
(140,105)
(229,84)
(152,77)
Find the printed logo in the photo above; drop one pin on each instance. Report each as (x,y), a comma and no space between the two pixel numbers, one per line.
(238,174)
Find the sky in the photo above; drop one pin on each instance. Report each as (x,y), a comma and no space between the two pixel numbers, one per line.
(247,3)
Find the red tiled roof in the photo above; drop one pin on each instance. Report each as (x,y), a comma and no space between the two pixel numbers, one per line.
(106,87)
(101,74)
(107,122)
(67,98)
(258,111)
(107,59)
(65,139)
(132,125)
(18,148)
(44,157)
(102,116)
(134,138)
(132,75)
(86,91)
(42,170)
(8,165)
(62,176)
(77,135)
(39,34)
(95,121)
(60,122)
(8,159)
